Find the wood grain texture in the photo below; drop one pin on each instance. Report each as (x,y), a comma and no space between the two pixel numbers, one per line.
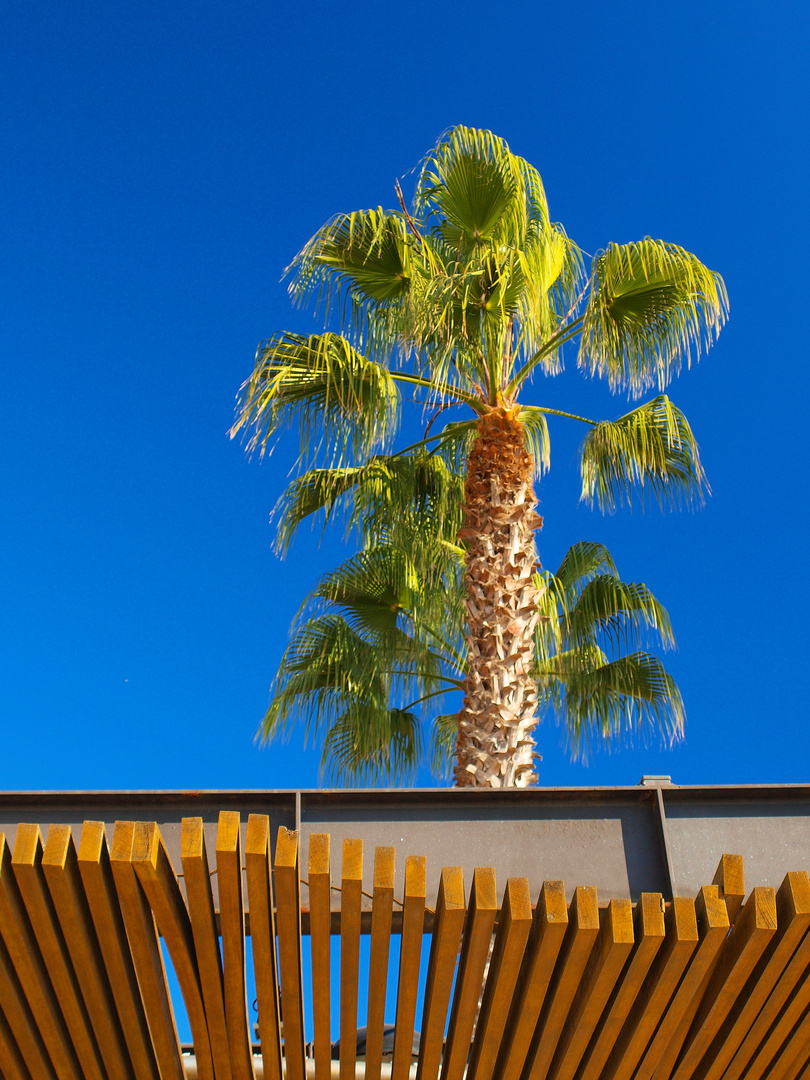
(549,925)
(232,930)
(22,1026)
(288,926)
(320,923)
(481,913)
(263,940)
(146,955)
(12,1063)
(649,930)
(730,880)
(446,941)
(679,945)
(26,864)
(93,861)
(413,920)
(514,925)
(61,871)
(351,889)
(200,901)
(583,930)
(381,912)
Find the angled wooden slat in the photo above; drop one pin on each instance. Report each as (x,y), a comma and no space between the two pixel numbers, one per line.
(475,942)
(730,880)
(713,924)
(288,925)
(351,891)
(26,863)
(793,922)
(320,922)
(61,870)
(413,921)
(200,900)
(12,1063)
(753,929)
(263,940)
(514,924)
(146,955)
(770,1017)
(447,927)
(792,1055)
(649,937)
(232,929)
(154,870)
(583,929)
(680,942)
(381,911)
(93,861)
(546,937)
(22,1027)
(607,960)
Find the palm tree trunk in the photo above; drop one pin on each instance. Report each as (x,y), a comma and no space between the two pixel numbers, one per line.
(495,746)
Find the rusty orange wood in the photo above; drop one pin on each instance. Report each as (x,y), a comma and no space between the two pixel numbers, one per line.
(320,930)
(351,886)
(483,908)
(381,912)
(546,936)
(447,928)
(232,930)
(61,871)
(93,860)
(410,955)
(263,940)
(22,1026)
(26,863)
(146,955)
(288,927)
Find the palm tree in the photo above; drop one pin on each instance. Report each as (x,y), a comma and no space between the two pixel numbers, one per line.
(461,302)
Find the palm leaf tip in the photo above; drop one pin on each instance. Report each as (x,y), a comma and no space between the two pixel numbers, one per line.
(652,306)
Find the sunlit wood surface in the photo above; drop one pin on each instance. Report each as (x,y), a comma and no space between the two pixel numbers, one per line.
(502,985)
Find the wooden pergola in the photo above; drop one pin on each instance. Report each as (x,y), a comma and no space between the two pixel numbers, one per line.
(519,986)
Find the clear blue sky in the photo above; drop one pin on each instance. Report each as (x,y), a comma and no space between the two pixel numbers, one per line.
(161,165)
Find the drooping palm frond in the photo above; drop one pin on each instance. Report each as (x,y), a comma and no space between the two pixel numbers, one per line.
(651,305)
(365,744)
(619,611)
(342,401)
(650,451)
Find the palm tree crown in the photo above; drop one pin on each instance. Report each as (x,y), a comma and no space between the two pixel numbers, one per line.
(461,301)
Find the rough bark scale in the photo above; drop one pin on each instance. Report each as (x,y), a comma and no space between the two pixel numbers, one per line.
(495,746)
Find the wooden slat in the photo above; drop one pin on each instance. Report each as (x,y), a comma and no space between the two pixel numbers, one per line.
(546,937)
(232,929)
(649,936)
(381,911)
(730,880)
(792,1055)
(20,1020)
(514,924)
(154,870)
(483,908)
(263,940)
(93,861)
(61,870)
(26,863)
(320,922)
(351,890)
(12,1063)
(288,925)
(713,924)
(413,921)
(793,922)
(146,954)
(583,929)
(607,960)
(200,900)
(680,942)
(447,927)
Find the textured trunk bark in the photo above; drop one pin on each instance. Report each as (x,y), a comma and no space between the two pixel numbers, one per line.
(495,746)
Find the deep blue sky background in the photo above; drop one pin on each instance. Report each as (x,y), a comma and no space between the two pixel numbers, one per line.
(162,163)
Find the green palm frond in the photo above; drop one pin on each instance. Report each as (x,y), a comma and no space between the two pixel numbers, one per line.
(620,612)
(341,400)
(650,450)
(651,305)
(367,743)
(538,444)
(443,739)
(372,590)
(582,562)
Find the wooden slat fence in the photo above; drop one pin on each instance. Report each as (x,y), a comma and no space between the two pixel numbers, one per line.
(715,987)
